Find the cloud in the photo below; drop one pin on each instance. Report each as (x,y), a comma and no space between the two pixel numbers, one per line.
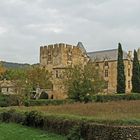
(99,24)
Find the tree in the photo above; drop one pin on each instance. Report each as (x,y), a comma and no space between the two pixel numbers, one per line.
(120,71)
(81,82)
(39,78)
(136,74)
(2,71)
(27,80)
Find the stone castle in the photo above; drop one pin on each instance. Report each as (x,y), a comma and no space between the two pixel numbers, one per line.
(57,57)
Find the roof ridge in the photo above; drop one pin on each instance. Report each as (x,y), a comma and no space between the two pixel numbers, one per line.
(103,51)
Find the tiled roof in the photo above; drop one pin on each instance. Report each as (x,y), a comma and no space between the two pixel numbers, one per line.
(106,55)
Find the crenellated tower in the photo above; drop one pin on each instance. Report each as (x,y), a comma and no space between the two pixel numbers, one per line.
(57,57)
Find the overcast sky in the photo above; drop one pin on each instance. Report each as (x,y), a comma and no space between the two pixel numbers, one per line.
(25,25)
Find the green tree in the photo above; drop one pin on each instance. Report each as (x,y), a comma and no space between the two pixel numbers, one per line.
(81,82)
(120,71)
(136,74)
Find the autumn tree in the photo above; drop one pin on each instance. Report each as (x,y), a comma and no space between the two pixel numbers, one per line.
(39,77)
(2,71)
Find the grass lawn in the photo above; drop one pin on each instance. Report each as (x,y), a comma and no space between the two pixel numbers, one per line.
(10,131)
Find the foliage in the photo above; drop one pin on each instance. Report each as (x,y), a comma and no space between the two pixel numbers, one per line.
(83,82)
(9,100)
(115,97)
(75,133)
(28,80)
(2,71)
(120,71)
(39,77)
(34,119)
(42,102)
(136,74)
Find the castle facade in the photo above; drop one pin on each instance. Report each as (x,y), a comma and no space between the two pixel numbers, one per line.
(57,57)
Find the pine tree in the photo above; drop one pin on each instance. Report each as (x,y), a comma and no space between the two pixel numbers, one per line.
(136,74)
(120,71)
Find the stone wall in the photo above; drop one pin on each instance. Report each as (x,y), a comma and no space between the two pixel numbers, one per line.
(112,75)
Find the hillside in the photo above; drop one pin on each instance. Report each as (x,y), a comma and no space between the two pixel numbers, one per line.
(15,65)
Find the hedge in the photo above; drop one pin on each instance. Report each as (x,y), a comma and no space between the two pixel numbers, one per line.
(8,100)
(42,102)
(116,97)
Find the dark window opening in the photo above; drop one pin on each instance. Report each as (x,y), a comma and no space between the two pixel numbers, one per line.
(106,63)
(57,74)
(51,96)
(106,73)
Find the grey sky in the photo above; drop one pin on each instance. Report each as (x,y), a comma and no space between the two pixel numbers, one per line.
(25,25)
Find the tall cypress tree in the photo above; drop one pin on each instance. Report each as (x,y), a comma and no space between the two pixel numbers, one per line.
(136,74)
(120,71)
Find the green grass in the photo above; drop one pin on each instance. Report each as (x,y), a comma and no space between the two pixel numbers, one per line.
(10,131)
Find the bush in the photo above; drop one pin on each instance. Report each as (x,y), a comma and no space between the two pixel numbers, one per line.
(75,133)
(9,100)
(41,102)
(27,103)
(115,97)
(34,119)
(7,115)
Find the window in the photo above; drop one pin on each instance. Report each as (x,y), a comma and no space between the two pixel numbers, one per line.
(57,74)
(128,72)
(97,64)
(69,57)
(106,84)
(129,84)
(106,73)
(49,57)
(106,63)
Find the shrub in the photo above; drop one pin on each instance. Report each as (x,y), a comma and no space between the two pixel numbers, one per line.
(7,115)
(34,119)
(9,100)
(75,133)
(41,102)
(27,103)
(115,97)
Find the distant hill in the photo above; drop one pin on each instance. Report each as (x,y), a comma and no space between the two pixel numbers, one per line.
(15,65)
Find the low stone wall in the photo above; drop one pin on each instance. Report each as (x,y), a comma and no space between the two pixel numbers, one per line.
(104,132)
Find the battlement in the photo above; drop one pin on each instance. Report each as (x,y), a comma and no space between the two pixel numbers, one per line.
(59,46)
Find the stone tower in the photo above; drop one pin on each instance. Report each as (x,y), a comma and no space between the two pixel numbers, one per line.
(56,58)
